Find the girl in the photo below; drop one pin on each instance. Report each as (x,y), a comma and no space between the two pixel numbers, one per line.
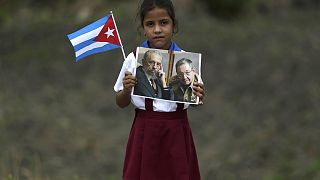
(160,145)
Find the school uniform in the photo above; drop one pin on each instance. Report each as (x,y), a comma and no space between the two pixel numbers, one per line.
(160,145)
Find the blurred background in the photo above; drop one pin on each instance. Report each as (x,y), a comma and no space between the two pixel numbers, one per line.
(260,64)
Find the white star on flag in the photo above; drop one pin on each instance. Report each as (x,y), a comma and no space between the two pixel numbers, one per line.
(109,32)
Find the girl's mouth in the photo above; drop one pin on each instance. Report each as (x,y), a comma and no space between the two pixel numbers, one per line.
(158,37)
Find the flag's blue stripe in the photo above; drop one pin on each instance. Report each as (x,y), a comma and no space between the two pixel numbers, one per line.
(83,44)
(89,28)
(97,50)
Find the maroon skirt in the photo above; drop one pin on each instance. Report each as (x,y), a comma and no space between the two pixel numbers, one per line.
(160,147)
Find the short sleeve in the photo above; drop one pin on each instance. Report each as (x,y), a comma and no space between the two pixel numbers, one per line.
(129,64)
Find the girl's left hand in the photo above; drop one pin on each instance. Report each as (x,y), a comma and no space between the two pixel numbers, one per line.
(199,91)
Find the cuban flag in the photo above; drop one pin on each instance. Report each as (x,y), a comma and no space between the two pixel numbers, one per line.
(97,37)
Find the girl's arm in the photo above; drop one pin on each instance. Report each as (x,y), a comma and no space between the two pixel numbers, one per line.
(123,97)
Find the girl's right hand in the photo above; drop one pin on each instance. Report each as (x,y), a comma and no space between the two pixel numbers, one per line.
(128,82)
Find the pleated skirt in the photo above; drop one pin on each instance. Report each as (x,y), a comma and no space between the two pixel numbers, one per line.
(161,147)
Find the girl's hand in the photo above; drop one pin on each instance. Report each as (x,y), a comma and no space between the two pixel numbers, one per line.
(199,91)
(128,82)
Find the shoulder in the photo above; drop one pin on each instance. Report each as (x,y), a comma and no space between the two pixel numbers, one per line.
(129,63)
(130,57)
(140,69)
(140,74)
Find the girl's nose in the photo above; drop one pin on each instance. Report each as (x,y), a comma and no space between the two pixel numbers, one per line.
(157,28)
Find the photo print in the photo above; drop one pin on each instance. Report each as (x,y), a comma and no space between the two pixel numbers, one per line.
(167,75)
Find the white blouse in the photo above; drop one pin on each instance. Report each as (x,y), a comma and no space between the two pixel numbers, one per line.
(158,104)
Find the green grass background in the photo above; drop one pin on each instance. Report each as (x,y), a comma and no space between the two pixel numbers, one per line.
(59,120)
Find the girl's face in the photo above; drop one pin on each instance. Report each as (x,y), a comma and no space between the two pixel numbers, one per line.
(158,28)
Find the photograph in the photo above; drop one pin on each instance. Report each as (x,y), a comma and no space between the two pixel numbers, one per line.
(167,75)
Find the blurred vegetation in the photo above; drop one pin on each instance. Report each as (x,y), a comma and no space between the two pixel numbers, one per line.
(58,118)
(231,9)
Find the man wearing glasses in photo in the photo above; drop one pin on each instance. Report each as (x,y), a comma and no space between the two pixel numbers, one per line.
(183,82)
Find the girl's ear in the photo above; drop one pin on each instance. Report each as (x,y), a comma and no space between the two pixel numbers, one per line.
(174,29)
(142,30)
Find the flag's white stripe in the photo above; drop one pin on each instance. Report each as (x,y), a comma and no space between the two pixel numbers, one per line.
(90,27)
(90,47)
(86,36)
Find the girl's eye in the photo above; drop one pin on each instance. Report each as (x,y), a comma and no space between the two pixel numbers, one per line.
(149,24)
(164,22)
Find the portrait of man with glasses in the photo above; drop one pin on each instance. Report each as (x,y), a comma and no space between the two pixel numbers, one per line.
(182,83)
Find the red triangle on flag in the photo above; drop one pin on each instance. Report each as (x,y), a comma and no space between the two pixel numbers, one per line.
(109,33)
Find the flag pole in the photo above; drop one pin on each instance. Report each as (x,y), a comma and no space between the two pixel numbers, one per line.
(124,55)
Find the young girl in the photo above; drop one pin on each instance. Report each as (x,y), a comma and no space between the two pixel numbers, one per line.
(160,145)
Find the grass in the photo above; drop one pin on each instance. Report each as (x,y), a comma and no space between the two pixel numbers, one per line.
(58,118)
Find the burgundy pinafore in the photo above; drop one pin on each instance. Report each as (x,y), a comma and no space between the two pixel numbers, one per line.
(160,146)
